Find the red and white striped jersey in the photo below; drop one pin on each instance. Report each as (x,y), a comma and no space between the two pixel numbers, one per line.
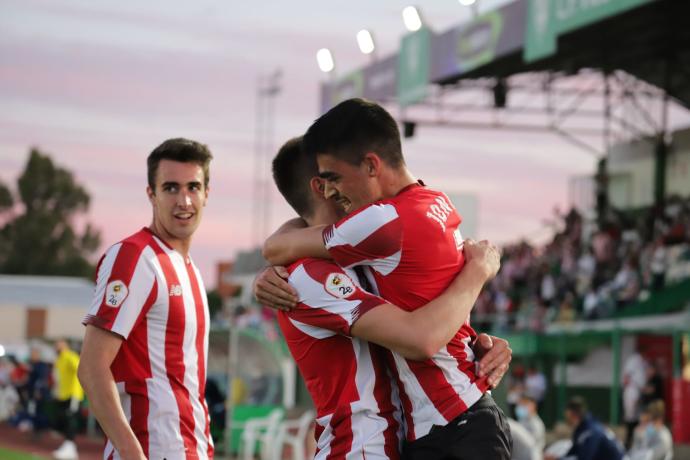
(413,246)
(357,408)
(150,295)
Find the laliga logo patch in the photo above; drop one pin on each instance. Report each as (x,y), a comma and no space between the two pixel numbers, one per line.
(115,293)
(339,285)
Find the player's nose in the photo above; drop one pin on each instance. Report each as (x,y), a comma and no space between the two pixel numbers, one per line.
(184,199)
(329,191)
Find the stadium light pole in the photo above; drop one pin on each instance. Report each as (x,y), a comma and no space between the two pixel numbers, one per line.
(268,87)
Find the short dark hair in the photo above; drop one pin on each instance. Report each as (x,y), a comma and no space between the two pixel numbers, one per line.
(354,128)
(577,405)
(182,150)
(292,170)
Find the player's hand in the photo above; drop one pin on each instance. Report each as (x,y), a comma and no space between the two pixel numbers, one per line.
(484,255)
(494,355)
(272,289)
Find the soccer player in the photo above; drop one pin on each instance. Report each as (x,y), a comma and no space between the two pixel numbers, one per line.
(143,361)
(328,331)
(408,235)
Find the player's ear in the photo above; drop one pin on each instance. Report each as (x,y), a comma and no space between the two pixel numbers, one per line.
(317,185)
(150,193)
(372,164)
(206,189)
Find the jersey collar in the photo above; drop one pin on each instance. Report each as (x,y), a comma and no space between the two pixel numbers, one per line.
(419,183)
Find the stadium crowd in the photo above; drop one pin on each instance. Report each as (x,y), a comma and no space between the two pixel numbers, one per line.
(588,271)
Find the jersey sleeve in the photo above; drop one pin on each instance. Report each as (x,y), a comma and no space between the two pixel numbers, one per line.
(328,297)
(125,287)
(372,236)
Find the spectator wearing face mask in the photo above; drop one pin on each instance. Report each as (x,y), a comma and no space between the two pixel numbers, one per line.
(652,440)
(526,412)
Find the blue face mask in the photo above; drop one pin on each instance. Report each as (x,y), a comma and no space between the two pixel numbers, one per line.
(650,431)
(521,412)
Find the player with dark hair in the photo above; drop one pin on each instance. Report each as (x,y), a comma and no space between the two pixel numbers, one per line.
(410,243)
(144,357)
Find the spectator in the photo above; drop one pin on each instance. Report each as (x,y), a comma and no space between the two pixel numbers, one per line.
(526,412)
(634,379)
(38,390)
(657,265)
(653,389)
(653,440)
(524,447)
(626,284)
(535,385)
(68,394)
(8,395)
(591,441)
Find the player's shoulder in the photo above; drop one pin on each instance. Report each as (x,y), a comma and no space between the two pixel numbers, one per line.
(373,215)
(129,250)
(316,269)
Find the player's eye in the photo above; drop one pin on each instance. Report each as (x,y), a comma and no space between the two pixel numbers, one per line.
(170,188)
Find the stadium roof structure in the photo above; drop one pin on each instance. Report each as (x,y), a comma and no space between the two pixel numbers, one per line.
(649,39)
(645,38)
(596,73)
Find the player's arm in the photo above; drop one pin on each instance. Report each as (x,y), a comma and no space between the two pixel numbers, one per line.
(421,333)
(292,241)
(98,352)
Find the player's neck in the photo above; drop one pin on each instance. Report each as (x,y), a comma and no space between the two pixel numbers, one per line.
(323,215)
(178,244)
(394,180)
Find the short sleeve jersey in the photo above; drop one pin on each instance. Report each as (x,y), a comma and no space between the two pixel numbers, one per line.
(357,415)
(147,293)
(413,247)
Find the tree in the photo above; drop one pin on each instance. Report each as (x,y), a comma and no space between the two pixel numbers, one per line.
(37,223)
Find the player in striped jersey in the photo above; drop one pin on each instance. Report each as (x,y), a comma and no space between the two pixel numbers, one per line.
(328,331)
(144,357)
(409,236)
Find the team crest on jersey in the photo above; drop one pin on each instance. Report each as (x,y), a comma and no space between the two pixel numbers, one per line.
(339,285)
(115,293)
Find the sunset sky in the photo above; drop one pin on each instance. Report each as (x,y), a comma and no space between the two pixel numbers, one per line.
(99,84)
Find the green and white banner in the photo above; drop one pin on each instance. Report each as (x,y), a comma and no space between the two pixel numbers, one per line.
(413,67)
(547,19)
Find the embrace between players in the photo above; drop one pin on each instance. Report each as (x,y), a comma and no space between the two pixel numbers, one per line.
(374,299)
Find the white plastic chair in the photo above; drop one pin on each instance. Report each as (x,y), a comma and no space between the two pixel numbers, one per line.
(265,431)
(294,434)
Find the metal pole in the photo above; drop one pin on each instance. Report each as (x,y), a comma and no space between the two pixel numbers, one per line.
(233,361)
(256,186)
(616,383)
(563,375)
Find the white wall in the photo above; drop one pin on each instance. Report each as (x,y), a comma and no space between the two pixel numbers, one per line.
(12,324)
(65,322)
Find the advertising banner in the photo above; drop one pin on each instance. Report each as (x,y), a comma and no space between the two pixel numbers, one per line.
(547,19)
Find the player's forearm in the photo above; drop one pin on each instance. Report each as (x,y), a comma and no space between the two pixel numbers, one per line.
(104,402)
(291,242)
(441,318)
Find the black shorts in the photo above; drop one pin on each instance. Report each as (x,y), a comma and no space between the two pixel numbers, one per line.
(480,433)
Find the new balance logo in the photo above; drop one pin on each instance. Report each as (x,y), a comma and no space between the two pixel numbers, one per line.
(175,290)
